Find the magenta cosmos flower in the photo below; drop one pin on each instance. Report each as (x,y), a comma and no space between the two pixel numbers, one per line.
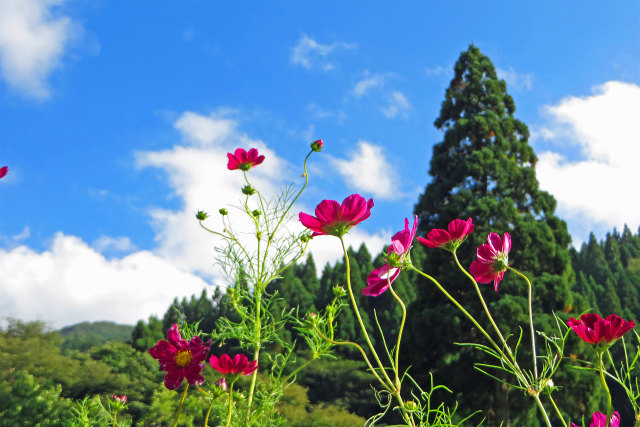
(380,278)
(600,420)
(493,260)
(451,239)
(337,219)
(3,171)
(238,365)
(180,358)
(596,330)
(121,399)
(244,160)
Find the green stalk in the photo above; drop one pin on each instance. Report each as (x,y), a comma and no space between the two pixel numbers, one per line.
(544,412)
(604,383)
(184,394)
(533,337)
(230,403)
(404,318)
(557,410)
(357,312)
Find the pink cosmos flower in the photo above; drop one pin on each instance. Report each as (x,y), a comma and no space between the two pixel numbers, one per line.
(121,399)
(380,278)
(449,240)
(317,145)
(244,160)
(3,171)
(600,420)
(239,365)
(335,219)
(493,260)
(595,330)
(180,358)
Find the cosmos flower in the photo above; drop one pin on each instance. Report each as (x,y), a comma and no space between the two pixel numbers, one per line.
(180,358)
(3,171)
(493,260)
(595,330)
(600,420)
(335,219)
(458,230)
(244,160)
(380,278)
(238,365)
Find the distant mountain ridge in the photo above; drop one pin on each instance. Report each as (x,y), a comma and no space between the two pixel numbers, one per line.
(85,335)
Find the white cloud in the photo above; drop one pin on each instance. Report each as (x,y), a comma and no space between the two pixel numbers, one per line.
(515,80)
(367,83)
(310,54)
(113,244)
(397,104)
(438,70)
(367,170)
(597,187)
(33,39)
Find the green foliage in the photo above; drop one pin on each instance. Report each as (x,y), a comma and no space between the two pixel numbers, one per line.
(85,335)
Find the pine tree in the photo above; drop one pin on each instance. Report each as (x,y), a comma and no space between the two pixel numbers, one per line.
(485,169)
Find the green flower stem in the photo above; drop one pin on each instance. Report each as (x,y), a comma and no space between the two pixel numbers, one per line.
(533,336)
(256,355)
(466,313)
(364,356)
(115,414)
(553,403)
(206,419)
(184,394)
(230,404)
(544,412)
(486,309)
(357,312)
(604,383)
(404,318)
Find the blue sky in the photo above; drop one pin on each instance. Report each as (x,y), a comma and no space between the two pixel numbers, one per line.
(116,116)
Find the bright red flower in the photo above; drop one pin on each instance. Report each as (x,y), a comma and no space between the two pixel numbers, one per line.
(449,240)
(180,358)
(380,278)
(600,420)
(239,365)
(244,160)
(596,330)
(3,171)
(335,219)
(493,260)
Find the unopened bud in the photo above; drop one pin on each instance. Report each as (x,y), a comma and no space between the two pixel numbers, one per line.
(256,213)
(411,405)
(305,238)
(339,291)
(312,316)
(223,211)
(221,384)
(201,215)
(531,392)
(121,399)
(317,145)
(248,190)
(546,384)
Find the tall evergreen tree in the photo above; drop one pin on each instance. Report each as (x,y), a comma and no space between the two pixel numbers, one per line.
(485,169)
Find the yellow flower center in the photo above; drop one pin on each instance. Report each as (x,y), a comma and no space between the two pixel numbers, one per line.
(183,358)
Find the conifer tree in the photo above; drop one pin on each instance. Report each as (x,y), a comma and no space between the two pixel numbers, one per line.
(484,168)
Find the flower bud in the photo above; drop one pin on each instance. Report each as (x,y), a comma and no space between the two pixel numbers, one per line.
(221,384)
(121,399)
(256,213)
(339,291)
(312,315)
(223,211)
(201,215)
(317,145)
(305,238)
(248,190)
(411,405)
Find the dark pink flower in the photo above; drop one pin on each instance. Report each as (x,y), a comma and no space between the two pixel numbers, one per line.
(493,260)
(451,239)
(121,399)
(238,365)
(180,358)
(317,145)
(380,278)
(244,160)
(600,420)
(3,171)
(596,330)
(335,219)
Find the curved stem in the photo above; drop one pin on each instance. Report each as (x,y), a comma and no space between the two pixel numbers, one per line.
(184,394)
(544,412)
(230,404)
(206,419)
(404,318)
(533,337)
(553,402)
(357,312)
(604,383)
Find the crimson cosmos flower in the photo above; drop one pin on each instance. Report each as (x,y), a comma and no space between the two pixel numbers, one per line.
(239,365)
(449,240)
(493,260)
(3,171)
(595,330)
(337,219)
(600,420)
(244,160)
(380,278)
(180,358)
